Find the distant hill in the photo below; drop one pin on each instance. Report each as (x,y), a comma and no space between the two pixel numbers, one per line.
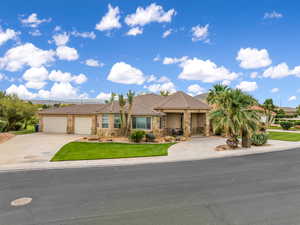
(202,97)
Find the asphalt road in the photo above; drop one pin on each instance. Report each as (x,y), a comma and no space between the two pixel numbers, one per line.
(258,189)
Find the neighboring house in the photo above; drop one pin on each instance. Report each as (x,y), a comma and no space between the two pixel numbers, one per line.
(178,114)
(289,110)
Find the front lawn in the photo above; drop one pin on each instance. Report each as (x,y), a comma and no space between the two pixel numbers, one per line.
(284,136)
(88,151)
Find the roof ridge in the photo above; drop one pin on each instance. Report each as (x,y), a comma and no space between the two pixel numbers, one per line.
(184,97)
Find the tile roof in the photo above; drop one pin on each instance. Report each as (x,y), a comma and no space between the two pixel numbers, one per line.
(73,109)
(181,100)
(142,105)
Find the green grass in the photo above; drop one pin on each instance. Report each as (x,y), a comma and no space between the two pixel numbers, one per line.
(284,136)
(89,151)
(30,129)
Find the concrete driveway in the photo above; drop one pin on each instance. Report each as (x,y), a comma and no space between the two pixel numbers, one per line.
(30,148)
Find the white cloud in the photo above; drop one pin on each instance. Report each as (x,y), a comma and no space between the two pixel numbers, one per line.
(151,78)
(226,82)
(103,96)
(170,60)
(195,89)
(79,79)
(168,86)
(156,58)
(292,98)
(35,33)
(35,84)
(61,39)
(57,28)
(253,75)
(206,71)
(163,79)
(200,33)
(252,58)
(21,91)
(27,54)
(272,15)
(44,94)
(66,77)
(167,33)
(36,77)
(33,21)
(6,35)
(59,76)
(90,35)
(135,31)
(63,90)
(93,63)
(2,76)
(279,71)
(247,86)
(67,53)
(152,13)
(110,20)
(274,90)
(124,73)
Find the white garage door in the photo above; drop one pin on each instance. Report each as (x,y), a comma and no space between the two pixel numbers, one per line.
(83,125)
(55,124)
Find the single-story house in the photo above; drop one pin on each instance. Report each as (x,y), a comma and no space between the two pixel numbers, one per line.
(178,113)
(288,110)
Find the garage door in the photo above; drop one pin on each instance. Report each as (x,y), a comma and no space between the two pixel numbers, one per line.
(83,125)
(55,124)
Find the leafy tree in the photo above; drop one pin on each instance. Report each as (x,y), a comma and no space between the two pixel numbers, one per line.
(16,112)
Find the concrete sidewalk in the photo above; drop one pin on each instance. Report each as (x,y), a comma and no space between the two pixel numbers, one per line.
(196,149)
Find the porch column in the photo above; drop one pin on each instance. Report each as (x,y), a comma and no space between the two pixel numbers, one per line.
(207,125)
(70,124)
(94,124)
(186,123)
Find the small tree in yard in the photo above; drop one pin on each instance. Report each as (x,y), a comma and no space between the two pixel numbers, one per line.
(130,97)
(269,109)
(122,103)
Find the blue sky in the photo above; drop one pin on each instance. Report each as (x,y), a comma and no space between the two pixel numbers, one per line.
(88,49)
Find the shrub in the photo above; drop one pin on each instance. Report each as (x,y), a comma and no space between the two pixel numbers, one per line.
(286,125)
(3,125)
(150,137)
(259,139)
(137,135)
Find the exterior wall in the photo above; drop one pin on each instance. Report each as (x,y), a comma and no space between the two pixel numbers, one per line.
(111,131)
(107,132)
(173,120)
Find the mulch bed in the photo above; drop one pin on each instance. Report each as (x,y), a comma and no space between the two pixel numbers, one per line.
(5,137)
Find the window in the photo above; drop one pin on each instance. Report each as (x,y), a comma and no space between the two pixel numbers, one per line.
(105,121)
(117,121)
(161,123)
(141,123)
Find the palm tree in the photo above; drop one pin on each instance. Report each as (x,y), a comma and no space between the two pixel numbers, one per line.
(111,99)
(233,114)
(215,94)
(130,97)
(164,93)
(122,103)
(269,109)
